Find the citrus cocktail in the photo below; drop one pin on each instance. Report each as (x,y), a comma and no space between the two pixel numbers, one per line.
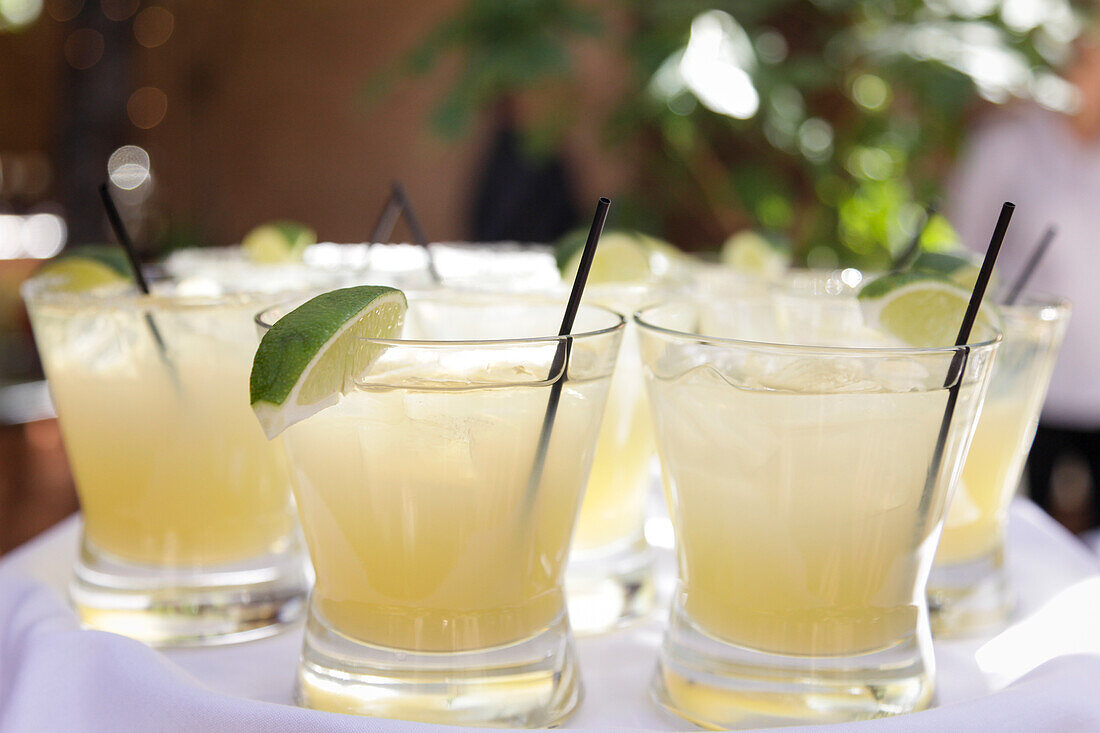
(189,533)
(969,587)
(438,535)
(807,486)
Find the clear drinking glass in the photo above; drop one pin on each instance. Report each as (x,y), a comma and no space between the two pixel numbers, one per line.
(438,536)
(609,581)
(610,577)
(969,588)
(189,532)
(807,487)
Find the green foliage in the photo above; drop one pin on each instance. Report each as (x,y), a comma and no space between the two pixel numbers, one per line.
(506,45)
(830,120)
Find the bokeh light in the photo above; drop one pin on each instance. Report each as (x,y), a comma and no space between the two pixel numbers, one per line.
(716,65)
(11,236)
(19,13)
(815,139)
(870,163)
(147,107)
(119,10)
(870,92)
(64,10)
(84,48)
(153,26)
(771,47)
(128,167)
(36,236)
(43,235)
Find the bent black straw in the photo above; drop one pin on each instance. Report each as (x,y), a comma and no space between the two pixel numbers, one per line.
(958,361)
(419,236)
(1032,265)
(127,244)
(558,367)
(387,220)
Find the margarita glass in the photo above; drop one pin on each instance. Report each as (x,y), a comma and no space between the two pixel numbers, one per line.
(969,588)
(610,578)
(189,533)
(439,560)
(609,581)
(807,488)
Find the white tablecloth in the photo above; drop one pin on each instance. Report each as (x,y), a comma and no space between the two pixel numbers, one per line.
(1043,673)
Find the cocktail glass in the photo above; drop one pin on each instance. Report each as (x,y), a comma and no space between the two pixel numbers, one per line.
(609,581)
(439,560)
(610,577)
(969,589)
(807,487)
(189,532)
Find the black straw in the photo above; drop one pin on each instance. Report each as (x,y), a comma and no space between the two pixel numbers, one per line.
(387,220)
(558,366)
(402,199)
(957,368)
(908,254)
(985,273)
(1032,265)
(123,238)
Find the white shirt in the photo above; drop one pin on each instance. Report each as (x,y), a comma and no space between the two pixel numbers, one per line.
(1031,157)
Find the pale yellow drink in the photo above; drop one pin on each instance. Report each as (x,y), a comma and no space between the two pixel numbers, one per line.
(414,509)
(170,465)
(613,511)
(800,516)
(975,522)
(807,487)
(970,588)
(438,498)
(413,490)
(610,578)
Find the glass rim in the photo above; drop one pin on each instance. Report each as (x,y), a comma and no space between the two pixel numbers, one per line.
(40,290)
(1038,300)
(812,349)
(264,324)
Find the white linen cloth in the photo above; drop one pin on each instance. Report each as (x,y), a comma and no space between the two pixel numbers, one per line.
(57,677)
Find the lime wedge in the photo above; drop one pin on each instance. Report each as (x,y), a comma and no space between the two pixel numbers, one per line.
(663,256)
(313,354)
(753,252)
(920,309)
(88,267)
(620,258)
(278,241)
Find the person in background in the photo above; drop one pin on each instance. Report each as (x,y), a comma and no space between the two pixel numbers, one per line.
(1048,164)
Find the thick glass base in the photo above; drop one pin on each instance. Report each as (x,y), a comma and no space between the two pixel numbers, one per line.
(972,597)
(533,683)
(178,606)
(608,589)
(719,686)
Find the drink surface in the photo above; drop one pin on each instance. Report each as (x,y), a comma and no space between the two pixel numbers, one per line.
(802,523)
(415,506)
(171,467)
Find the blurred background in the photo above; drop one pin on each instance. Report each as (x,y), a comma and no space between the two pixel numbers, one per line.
(829,123)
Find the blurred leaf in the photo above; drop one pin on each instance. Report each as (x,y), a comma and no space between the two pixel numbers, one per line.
(853,182)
